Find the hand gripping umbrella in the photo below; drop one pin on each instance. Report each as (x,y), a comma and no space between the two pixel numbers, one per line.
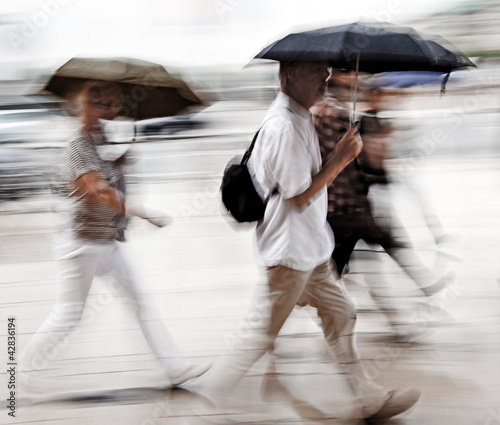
(368,47)
(149,91)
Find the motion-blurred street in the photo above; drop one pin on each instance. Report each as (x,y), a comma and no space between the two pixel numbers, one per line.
(202,274)
(439,151)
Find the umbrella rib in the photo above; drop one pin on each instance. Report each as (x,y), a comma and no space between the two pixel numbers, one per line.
(355,95)
(343,43)
(429,52)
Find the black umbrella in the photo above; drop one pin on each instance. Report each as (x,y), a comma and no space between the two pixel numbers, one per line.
(368,47)
(149,91)
(380,47)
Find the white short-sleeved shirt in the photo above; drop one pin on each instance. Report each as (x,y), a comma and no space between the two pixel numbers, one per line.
(285,157)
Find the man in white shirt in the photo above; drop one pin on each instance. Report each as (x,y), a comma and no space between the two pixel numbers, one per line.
(295,240)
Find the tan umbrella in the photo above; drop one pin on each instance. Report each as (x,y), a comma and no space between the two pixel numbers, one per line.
(149,91)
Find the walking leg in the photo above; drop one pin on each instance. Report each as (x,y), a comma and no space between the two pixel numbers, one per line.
(338,319)
(153,329)
(285,287)
(76,270)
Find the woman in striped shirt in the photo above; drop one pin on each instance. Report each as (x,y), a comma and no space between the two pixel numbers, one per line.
(91,247)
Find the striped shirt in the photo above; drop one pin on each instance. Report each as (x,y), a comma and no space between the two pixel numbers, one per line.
(92,219)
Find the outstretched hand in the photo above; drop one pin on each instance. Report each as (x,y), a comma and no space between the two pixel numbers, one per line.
(160,221)
(155,217)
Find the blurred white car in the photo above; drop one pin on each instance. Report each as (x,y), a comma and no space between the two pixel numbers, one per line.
(31,142)
(33,125)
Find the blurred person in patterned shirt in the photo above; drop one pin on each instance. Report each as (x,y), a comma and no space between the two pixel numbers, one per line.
(350,213)
(90,247)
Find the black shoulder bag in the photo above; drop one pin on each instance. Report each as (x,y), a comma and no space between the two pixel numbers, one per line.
(239,195)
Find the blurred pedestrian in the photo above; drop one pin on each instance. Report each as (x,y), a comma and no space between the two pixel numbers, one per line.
(349,210)
(407,154)
(91,246)
(295,241)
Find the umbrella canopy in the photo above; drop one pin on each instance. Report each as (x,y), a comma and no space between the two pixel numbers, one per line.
(405,79)
(149,91)
(368,47)
(376,47)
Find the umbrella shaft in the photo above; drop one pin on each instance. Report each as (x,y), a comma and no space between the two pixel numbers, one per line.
(355,92)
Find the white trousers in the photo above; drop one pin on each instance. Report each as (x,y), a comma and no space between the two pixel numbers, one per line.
(78,263)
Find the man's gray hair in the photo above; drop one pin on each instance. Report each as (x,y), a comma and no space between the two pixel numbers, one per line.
(285,68)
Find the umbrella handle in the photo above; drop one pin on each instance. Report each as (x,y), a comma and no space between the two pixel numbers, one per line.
(356,163)
(443,85)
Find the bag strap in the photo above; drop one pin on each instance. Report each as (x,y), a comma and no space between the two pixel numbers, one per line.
(248,152)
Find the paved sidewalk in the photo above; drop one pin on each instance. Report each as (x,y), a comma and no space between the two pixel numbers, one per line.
(202,275)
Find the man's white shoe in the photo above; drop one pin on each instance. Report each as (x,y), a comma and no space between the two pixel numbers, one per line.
(397,402)
(178,378)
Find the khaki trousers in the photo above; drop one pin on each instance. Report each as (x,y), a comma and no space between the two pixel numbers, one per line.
(321,289)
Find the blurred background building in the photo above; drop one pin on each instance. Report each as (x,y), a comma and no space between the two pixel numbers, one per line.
(472,25)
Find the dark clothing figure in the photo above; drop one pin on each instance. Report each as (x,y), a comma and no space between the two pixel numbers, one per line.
(349,211)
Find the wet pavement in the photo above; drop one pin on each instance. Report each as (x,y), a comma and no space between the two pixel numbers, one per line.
(202,274)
